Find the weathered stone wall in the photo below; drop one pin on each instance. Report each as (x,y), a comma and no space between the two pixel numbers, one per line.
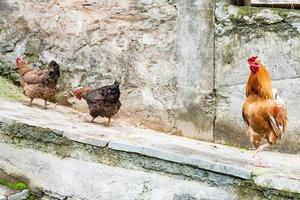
(175,75)
(160,50)
(273,35)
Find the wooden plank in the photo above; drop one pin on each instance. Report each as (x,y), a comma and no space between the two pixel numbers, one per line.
(271,3)
(274,3)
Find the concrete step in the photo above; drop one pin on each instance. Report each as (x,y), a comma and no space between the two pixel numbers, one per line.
(61,130)
(70,178)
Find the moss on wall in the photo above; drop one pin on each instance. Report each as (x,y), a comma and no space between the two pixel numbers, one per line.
(10,91)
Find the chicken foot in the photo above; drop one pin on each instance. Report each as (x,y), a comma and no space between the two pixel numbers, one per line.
(108,122)
(258,153)
(92,121)
(45,104)
(261,163)
(30,103)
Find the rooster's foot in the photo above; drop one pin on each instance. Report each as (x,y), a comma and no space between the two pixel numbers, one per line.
(262,164)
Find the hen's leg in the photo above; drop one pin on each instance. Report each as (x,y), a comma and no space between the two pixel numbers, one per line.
(30,102)
(45,104)
(92,121)
(108,122)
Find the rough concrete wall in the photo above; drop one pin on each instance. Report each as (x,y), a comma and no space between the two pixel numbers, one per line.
(273,35)
(160,50)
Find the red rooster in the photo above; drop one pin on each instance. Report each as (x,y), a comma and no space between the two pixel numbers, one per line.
(265,117)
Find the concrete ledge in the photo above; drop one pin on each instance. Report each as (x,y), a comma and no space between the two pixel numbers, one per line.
(63,125)
(19,196)
(174,156)
(274,181)
(71,178)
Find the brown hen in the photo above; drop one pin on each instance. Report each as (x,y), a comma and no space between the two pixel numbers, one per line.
(38,83)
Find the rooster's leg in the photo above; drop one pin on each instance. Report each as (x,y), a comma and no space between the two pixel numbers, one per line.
(92,121)
(261,148)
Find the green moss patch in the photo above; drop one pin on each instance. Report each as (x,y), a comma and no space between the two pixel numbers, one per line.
(11,182)
(31,58)
(10,91)
(250,10)
(14,186)
(244,22)
(8,71)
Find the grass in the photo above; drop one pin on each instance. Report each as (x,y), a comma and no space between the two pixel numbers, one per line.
(14,186)
(10,91)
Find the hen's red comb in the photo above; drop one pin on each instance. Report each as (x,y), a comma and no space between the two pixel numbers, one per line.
(18,60)
(77,92)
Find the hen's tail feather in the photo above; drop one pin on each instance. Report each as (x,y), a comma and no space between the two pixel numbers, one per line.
(54,72)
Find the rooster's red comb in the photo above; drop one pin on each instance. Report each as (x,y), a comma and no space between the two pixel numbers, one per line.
(252,59)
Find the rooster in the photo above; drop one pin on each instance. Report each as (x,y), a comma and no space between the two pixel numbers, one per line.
(264,114)
(38,83)
(103,102)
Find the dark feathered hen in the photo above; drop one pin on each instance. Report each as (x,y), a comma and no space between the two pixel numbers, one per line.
(103,102)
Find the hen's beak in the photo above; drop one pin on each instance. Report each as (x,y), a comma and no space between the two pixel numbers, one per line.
(74,93)
(71,92)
